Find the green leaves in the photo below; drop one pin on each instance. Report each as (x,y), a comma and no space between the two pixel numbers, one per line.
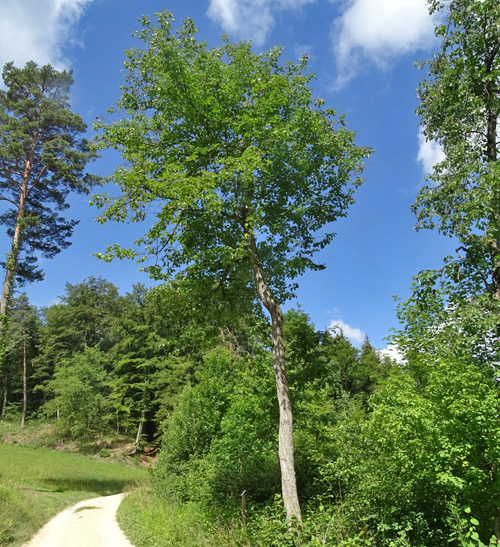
(42,159)
(453,311)
(459,108)
(222,141)
(424,451)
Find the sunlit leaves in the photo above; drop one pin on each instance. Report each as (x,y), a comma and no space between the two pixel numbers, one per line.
(218,142)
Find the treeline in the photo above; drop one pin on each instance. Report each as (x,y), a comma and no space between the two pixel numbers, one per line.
(98,361)
(386,454)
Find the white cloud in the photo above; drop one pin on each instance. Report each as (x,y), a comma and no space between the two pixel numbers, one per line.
(250,19)
(353,333)
(37,30)
(392,352)
(379,31)
(429,153)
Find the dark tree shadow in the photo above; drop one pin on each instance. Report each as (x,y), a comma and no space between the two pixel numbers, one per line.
(102,487)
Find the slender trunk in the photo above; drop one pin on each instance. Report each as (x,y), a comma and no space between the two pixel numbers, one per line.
(285,450)
(139,429)
(12,258)
(16,239)
(25,393)
(494,224)
(5,388)
(491,155)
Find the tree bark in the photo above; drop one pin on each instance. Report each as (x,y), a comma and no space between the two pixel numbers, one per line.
(25,393)
(16,239)
(12,258)
(491,156)
(139,429)
(5,394)
(286,449)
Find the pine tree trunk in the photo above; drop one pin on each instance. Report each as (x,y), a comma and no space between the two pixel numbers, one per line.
(12,258)
(16,239)
(285,450)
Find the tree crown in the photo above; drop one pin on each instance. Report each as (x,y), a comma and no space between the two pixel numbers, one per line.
(226,142)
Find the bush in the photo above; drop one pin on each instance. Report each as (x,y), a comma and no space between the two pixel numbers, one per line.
(419,449)
(222,436)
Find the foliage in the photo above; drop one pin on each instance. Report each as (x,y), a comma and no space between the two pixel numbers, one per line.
(419,449)
(82,319)
(79,387)
(220,437)
(459,108)
(220,140)
(42,159)
(219,440)
(22,340)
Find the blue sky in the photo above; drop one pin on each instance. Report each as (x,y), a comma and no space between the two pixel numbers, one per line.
(362,52)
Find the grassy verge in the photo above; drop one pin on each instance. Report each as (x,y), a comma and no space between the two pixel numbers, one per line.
(150,523)
(37,483)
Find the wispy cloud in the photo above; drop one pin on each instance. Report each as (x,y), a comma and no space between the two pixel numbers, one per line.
(37,30)
(378,32)
(429,153)
(250,19)
(354,334)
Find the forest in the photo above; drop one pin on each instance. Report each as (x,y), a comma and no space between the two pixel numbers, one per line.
(270,432)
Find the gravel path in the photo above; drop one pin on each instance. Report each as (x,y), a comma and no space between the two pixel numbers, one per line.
(89,523)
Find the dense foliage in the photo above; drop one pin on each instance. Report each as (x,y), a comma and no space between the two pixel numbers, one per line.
(386,454)
(245,171)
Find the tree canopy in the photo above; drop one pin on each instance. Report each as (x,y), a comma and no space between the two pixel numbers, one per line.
(42,159)
(459,109)
(243,169)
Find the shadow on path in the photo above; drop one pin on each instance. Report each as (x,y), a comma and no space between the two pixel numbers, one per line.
(102,487)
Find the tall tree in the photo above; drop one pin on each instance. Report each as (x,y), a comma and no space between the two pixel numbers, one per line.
(83,319)
(42,159)
(460,108)
(20,351)
(244,169)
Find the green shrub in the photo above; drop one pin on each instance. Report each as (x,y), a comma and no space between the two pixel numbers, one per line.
(420,448)
(222,436)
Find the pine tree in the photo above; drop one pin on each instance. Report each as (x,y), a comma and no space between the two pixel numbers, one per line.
(42,159)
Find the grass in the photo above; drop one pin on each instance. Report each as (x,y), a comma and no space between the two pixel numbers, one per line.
(150,523)
(36,483)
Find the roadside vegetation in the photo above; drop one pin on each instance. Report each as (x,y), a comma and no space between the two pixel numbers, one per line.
(244,173)
(37,482)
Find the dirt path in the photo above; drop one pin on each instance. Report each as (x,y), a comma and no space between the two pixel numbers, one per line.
(89,523)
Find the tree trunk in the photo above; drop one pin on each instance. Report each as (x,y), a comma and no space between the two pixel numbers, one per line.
(25,393)
(286,450)
(491,155)
(5,388)
(139,429)
(16,239)
(12,258)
